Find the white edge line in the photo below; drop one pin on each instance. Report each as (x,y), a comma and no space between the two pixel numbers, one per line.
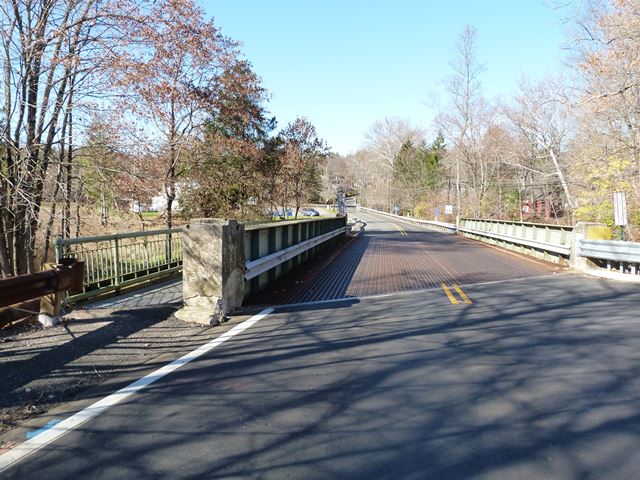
(58,430)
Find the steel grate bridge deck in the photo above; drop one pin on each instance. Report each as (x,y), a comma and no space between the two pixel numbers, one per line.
(394,256)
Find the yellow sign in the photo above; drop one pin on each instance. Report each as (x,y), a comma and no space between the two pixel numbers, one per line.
(598,232)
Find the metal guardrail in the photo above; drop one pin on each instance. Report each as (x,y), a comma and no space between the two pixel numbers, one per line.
(124,259)
(540,240)
(272,250)
(555,238)
(261,265)
(67,276)
(626,254)
(443,226)
(544,241)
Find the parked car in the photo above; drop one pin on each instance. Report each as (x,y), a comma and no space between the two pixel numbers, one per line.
(310,212)
(283,215)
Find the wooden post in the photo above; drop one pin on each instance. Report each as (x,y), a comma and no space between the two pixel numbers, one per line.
(50,304)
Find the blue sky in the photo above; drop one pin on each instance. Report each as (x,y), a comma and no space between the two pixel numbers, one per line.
(344,64)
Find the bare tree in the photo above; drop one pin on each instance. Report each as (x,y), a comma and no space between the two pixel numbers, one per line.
(45,49)
(384,140)
(169,78)
(462,123)
(542,115)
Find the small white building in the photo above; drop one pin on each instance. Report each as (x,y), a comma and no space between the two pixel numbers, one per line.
(158,203)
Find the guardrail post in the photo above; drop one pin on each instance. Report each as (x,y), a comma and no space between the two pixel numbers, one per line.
(50,306)
(116,264)
(271,248)
(58,248)
(68,278)
(213,270)
(295,239)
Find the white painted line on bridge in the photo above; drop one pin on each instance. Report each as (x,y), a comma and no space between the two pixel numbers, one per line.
(59,429)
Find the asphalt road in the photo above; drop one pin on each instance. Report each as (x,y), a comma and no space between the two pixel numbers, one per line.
(535,378)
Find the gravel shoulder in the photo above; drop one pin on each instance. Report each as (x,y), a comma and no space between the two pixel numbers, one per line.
(42,368)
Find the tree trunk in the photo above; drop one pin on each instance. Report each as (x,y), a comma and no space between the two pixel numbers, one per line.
(66,230)
(170,187)
(5,264)
(458,190)
(52,213)
(563,181)
(104,211)
(78,216)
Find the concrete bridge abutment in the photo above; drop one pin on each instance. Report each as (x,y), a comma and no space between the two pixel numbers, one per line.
(213,270)
(588,231)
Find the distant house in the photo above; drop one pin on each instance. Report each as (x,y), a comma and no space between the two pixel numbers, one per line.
(157,203)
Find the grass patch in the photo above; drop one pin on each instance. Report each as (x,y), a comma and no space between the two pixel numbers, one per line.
(150,215)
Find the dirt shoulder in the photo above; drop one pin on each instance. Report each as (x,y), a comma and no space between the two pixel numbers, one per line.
(41,368)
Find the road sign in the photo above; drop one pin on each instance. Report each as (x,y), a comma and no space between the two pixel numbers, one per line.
(620,209)
(448,209)
(437,211)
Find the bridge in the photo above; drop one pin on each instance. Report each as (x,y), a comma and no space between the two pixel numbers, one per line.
(404,352)
(397,256)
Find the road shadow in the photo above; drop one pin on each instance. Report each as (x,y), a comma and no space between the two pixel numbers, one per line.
(535,383)
(50,365)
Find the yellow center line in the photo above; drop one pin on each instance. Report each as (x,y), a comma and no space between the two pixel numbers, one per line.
(402,232)
(452,299)
(463,295)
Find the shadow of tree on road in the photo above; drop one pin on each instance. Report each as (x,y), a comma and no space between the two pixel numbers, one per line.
(535,382)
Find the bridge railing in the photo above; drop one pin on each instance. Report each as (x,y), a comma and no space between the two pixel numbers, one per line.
(442,226)
(273,250)
(554,243)
(545,241)
(112,262)
(614,254)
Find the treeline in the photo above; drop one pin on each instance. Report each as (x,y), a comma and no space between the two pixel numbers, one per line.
(555,150)
(112,102)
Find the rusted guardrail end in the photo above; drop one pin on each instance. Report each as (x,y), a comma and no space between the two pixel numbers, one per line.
(48,285)
(69,276)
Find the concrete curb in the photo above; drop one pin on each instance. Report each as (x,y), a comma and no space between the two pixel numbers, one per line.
(611,275)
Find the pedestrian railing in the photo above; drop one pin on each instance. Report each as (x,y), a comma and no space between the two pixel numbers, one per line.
(614,254)
(124,259)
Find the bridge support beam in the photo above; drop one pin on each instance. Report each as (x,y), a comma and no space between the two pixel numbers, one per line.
(213,270)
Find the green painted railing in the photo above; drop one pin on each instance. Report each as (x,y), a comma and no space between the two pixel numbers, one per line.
(124,259)
(262,240)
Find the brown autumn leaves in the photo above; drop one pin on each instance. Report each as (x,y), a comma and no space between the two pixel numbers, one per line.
(110,102)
